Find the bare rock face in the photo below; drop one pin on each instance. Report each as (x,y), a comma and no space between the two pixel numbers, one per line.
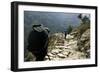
(84,43)
(86,35)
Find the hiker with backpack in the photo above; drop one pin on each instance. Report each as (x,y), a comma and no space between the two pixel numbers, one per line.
(38,41)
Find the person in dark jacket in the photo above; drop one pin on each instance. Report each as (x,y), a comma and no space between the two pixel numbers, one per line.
(38,41)
(65,33)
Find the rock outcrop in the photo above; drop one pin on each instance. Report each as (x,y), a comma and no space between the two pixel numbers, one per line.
(84,43)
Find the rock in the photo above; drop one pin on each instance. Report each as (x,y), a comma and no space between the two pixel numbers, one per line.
(84,42)
(55,51)
(46,58)
(72,42)
(76,55)
(85,35)
(50,54)
(72,45)
(87,45)
(61,55)
(69,36)
(51,58)
(60,42)
(65,53)
(56,59)
(73,33)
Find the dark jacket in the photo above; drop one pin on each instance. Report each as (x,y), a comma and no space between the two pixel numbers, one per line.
(38,42)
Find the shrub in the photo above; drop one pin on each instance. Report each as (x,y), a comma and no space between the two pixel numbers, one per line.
(69,29)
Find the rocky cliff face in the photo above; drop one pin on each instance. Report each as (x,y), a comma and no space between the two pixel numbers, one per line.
(84,43)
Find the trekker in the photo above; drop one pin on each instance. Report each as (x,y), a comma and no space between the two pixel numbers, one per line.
(38,41)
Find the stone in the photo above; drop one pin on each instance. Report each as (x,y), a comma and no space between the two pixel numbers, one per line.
(84,42)
(61,55)
(56,59)
(51,58)
(50,54)
(85,36)
(65,53)
(73,33)
(69,36)
(46,57)
(55,51)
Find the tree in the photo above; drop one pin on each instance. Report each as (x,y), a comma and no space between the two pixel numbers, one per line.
(84,19)
(80,16)
(69,29)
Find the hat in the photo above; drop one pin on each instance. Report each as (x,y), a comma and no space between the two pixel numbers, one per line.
(38,27)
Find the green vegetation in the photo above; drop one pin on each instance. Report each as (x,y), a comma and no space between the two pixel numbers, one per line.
(69,29)
(84,20)
(84,25)
(81,29)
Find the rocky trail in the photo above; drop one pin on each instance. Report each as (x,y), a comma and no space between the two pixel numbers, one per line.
(65,51)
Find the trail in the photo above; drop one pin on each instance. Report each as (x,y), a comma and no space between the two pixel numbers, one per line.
(66,51)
